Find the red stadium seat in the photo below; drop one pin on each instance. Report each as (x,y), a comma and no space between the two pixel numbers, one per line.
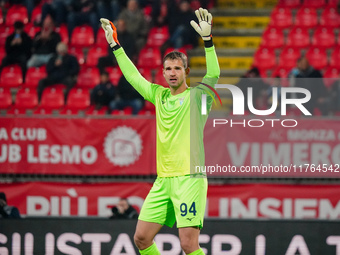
(93,111)
(281,18)
(31,30)
(281,72)
(78,53)
(2,53)
(150,57)
(88,77)
(317,57)
(158,36)
(264,58)
(63,32)
(114,73)
(289,3)
(330,18)
(149,107)
(306,17)
(335,58)
(146,73)
(82,36)
(16,13)
(298,37)
(34,75)
(323,37)
(101,39)
(94,53)
(159,78)
(314,3)
(11,76)
(272,38)
(78,99)
(52,98)
(332,3)
(36,15)
(5,98)
(26,99)
(4,33)
(330,75)
(288,57)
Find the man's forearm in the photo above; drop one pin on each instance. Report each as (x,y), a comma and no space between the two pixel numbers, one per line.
(213,68)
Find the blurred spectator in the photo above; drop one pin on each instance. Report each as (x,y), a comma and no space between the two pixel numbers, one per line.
(136,23)
(62,68)
(44,44)
(18,48)
(315,86)
(160,12)
(252,79)
(103,93)
(124,210)
(181,32)
(7,211)
(58,9)
(82,12)
(126,40)
(108,9)
(127,96)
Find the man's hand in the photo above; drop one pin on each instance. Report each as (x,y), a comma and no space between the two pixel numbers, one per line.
(110,32)
(205,23)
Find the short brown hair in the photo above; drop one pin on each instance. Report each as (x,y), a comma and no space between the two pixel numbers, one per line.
(177,55)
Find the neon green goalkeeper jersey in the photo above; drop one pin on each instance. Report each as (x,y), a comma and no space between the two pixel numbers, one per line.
(179,120)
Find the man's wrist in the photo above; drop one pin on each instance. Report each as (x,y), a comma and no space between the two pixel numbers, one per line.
(208,43)
(116,47)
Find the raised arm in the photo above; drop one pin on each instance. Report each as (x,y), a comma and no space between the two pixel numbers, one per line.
(129,70)
(203,28)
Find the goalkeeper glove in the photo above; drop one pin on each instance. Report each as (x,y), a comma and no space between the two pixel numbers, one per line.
(203,28)
(110,33)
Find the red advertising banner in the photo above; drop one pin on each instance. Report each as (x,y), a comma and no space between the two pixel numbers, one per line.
(65,199)
(233,147)
(78,146)
(273,147)
(248,201)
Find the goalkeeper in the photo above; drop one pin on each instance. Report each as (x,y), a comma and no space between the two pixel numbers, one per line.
(177,193)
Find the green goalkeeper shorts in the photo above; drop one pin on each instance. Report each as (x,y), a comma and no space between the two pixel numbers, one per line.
(181,199)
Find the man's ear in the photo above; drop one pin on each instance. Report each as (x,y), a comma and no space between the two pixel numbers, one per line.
(187,71)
